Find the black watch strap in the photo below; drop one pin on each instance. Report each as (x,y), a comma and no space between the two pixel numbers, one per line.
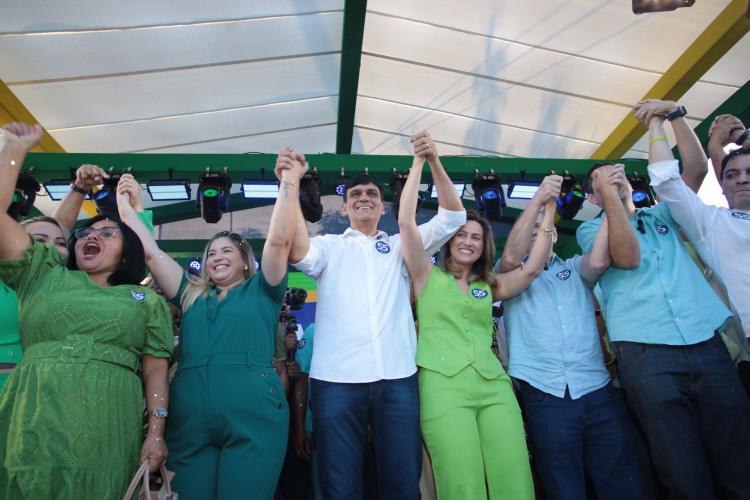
(741,140)
(77,189)
(681,111)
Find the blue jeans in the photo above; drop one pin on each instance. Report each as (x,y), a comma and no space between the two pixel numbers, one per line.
(341,414)
(695,414)
(592,433)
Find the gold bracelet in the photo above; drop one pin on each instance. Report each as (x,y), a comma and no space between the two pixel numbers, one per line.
(547,231)
(656,139)
(292,182)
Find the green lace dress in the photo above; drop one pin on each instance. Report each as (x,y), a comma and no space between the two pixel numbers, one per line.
(71,412)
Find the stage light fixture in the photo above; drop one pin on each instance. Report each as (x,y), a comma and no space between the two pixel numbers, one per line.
(457,183)
(23,196)
(488,193)
(196,264)
(169,189)
(260,189)
(644,6)
(58,188)
(309,197)
(106,198)
(213,195)
(396,183)
(642,195)
(522,189)
(571,197)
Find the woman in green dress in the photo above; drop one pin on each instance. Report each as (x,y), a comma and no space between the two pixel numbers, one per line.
(471,422)
(228,417)
(71,412)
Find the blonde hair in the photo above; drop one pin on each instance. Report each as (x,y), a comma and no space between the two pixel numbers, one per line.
(198,286)
(481,270)
(51,220)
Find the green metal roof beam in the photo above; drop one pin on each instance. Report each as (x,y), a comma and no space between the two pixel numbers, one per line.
(351,57)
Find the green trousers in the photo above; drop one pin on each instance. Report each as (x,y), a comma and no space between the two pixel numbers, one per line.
(473,430)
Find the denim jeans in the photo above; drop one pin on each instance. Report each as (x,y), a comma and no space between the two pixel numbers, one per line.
(341,414)
(695,414)
(592,434)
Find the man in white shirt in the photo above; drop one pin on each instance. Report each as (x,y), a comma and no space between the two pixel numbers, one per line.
(363,370)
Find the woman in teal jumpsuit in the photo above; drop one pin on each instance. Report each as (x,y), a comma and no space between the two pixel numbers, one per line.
(470,419)
(228,418)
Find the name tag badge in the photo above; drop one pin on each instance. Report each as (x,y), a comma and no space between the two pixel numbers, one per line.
(382,247)
(563,275)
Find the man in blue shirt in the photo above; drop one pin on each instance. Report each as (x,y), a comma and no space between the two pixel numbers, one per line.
(575,421)
(664,320)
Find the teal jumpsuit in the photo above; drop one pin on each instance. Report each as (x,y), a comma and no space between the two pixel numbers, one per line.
(228,417)
(471,422)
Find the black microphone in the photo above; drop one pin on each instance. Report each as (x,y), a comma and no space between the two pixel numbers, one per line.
(640,227)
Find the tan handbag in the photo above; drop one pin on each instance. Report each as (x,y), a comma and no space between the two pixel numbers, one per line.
(164,493)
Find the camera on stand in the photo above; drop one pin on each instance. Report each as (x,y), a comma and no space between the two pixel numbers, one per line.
(294,298)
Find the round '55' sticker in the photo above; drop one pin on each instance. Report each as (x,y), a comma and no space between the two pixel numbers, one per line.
(382,247)
(478,293)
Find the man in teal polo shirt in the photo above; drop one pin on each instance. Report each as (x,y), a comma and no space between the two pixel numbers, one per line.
(663,319)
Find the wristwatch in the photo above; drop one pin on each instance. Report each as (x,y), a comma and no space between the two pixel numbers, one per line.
(741,140)
(159,412)
(681,111)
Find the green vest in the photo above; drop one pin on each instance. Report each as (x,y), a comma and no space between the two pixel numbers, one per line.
(455,330)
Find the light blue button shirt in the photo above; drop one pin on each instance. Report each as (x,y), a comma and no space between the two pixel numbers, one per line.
(665,300)
(552,335)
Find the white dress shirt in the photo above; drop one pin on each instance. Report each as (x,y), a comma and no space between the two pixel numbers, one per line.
(364,329)
(721,236)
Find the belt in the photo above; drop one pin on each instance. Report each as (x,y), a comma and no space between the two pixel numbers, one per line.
(224,358)
(79,348)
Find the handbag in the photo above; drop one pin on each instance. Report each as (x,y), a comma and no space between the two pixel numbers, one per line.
(142,475)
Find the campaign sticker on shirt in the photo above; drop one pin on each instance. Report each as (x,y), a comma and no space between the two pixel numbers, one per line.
(301,343)
(382,247)
(661,228)
(139,296)
(563,275)
(478,293)
(740,215)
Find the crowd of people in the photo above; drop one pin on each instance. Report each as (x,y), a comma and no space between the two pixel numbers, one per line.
(627,368)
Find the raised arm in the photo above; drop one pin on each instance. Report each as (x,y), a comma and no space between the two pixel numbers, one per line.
(301,239)
(725,129)
(87,176)
(417,261)
(623,243)
(694,160)
(518,240)
(595,263)
(516,281)
(284,221)
(19,140)
(424,147)
(166,272)
(156,391)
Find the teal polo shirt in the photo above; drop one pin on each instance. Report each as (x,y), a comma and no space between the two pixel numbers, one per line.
(666,299)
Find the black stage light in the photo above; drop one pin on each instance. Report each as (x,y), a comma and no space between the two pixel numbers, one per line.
(571,197)
(309,197)
(23,196)
(213,195)
(396,183)
(644,6)
(489,195)
(642,195)
(106,198)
